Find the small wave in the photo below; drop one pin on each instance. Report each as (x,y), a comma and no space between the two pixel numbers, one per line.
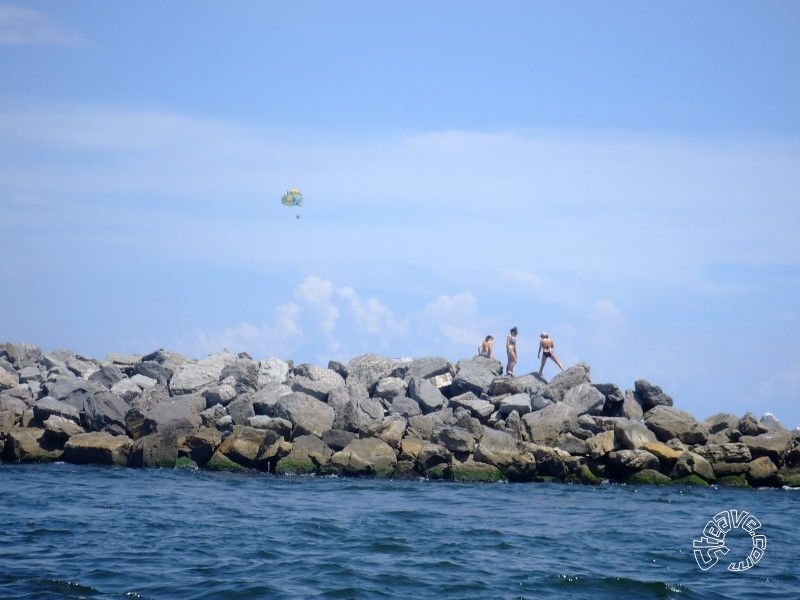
(626,586)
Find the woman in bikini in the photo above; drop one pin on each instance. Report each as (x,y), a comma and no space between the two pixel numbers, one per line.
(485,349)
(546,346)
(511,351)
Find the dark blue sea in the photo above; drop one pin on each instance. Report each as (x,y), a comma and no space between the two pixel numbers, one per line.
(116,533)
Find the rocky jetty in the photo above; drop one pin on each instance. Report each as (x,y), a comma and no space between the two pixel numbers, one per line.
(374,416)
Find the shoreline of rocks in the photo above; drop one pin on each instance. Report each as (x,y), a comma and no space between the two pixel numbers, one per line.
(373,416)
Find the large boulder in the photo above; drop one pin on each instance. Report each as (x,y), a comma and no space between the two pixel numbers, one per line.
(72,390)
(157,449)
(108,375)
(181,413)
(29,444)
(59,430)
(49,406)
(614,399)
(427,368)
(749,425)
(315,373)
(566,380)
(390,388)
(98,447)
(194,376)
(353,408)
(546,425)
(370,456)
(772,445)
(585,398)
(337,439)
(272,370)
(649,395)
(456,439)
(521,403)
(153,370)
(727,459)
(8,379)
(477,407)
(475,375)
(241,409)
(391,430)
(128,390)
(763,473)
(505,385)
(307,455)
(307,414)
(241,374)
(624,462)
(602,443)
(631,408)
(668,422)
(200,445)
(265,399)
(105,412)
(691,463)
(316,389)
(425,426)
(21,355)
(405,407)
(368,369)
(632,434)
(724,423)
(428,396)
(245,446)
(504,451)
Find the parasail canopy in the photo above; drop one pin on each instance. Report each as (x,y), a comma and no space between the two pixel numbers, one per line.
(293,197)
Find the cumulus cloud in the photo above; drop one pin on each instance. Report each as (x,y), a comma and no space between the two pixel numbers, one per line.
(20,26)
(325,321)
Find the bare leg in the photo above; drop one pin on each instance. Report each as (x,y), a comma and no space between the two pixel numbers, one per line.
(512,360)
(541,366)
(555,360)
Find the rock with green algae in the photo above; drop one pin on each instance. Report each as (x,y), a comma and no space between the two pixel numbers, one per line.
(220,462)
(296,465)
(734,481)
(792,480)
(184,462)
(650,477)
(405,470)
(585,475)
(476,472)
(690,480)
(440,471)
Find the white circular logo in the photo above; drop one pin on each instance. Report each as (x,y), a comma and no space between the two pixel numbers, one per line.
(708,548)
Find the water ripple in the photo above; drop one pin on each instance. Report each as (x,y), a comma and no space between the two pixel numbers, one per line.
(161,534)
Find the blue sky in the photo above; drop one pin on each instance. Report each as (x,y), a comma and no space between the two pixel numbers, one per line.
(625,175)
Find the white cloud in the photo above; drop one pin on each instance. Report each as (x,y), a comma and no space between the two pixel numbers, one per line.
(23,26)
(605,313)
(283,337)
(326,321)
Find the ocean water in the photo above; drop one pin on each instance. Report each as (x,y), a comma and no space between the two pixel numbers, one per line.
(115,533)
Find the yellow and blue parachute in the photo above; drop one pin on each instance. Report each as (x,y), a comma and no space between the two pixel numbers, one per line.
(292,197)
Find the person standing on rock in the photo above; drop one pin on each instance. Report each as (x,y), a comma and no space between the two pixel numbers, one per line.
(485,349)
(546,346)
(511,351)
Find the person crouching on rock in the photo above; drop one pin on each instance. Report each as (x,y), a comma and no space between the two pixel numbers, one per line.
(485,349)
(546,346)
(511,351)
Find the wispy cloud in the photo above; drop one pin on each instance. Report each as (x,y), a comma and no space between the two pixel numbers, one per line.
(23,26)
